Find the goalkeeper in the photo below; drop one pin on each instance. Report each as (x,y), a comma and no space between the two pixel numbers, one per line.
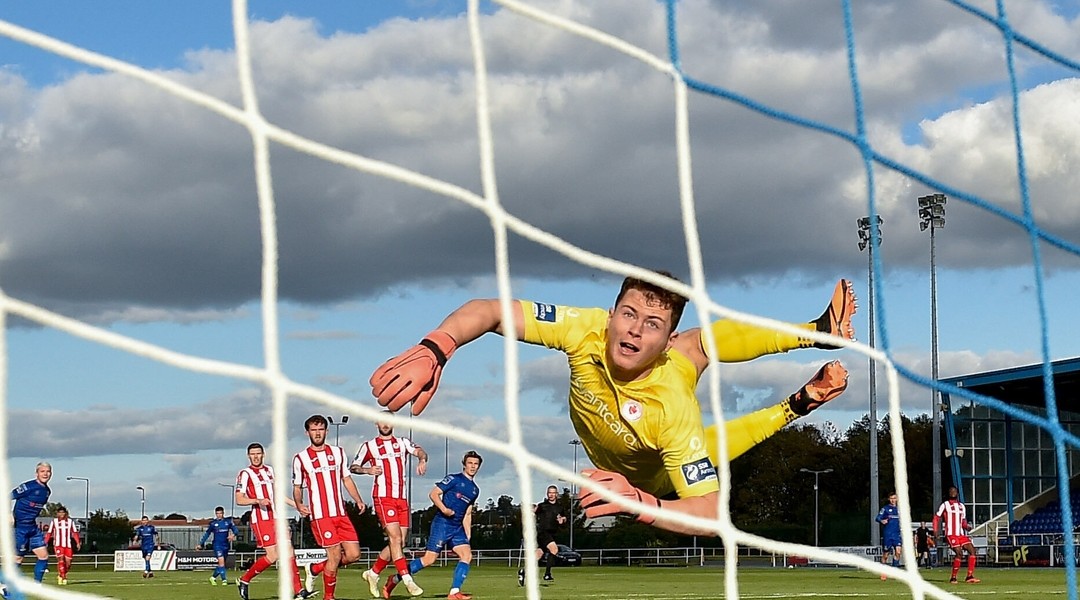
(633,379)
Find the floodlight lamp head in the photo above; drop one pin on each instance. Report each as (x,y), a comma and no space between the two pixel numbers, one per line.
(862,245)
(344,419)
(864,222)
(923,225)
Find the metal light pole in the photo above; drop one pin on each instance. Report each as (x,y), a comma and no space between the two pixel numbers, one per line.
(932,215)
(87,481)
(143,505)
(232,497)
(573,491)
(408,492)
(337,427)
(867,240)
(816,474)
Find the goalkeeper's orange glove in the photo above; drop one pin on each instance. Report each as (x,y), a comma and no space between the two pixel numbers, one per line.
(413,376)
(596,506)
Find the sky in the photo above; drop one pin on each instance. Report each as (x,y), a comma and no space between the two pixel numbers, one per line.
(133,211)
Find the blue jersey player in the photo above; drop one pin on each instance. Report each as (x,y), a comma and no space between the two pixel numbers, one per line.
(147,537)
(223,532)
(889,516)
(30,498)
(454,498)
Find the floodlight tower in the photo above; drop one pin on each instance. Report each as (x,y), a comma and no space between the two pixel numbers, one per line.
(932,216)
(867,240)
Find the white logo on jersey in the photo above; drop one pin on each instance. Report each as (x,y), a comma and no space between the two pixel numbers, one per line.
(631,410)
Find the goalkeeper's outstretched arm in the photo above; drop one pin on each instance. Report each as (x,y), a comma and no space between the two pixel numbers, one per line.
(705,506)
(413,376)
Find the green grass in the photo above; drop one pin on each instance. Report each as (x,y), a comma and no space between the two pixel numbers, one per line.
(594,583)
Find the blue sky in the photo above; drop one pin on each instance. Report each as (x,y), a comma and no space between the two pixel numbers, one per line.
(134,212)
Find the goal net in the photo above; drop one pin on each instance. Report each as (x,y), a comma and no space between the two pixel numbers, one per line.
(708,103)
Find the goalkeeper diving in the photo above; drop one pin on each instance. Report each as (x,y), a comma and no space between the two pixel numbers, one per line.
(633,381)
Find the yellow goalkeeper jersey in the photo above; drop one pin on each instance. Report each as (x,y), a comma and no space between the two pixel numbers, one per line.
(649,430)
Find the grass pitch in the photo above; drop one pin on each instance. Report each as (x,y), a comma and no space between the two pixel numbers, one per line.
(593,583)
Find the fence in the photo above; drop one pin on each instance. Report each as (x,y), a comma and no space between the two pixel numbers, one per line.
(634,557)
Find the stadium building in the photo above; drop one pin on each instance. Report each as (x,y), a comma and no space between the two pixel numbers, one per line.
(1004,466)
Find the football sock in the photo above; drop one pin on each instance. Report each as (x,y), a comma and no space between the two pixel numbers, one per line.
(39,569)
(461,571)
(317,567)
(400,565)
(147,564)
(747,431)
(260,565)
(329,584)
(739,342)
(380,564)
(415,565)
(971,565)
(955,566)
(297,585)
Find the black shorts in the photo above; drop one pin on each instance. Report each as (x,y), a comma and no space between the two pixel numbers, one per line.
(543,538)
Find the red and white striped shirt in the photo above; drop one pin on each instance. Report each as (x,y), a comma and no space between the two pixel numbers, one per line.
(322,472)
(258,483)
(62,532)
(390,454)
(954,516)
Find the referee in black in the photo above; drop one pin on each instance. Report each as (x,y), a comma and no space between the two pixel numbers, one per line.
(549,515)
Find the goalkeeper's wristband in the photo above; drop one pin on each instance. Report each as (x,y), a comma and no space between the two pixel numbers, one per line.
(441,344)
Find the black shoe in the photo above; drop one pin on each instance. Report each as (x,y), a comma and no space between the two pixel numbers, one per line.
(242,587)
(305,594)
(521,577)
(548,577)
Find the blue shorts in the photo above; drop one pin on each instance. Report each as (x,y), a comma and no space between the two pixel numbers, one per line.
(147,551)
(220,552)
(28,537)
(890,542)
(446,534)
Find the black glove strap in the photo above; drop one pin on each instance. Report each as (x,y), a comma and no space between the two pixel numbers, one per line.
(440,357)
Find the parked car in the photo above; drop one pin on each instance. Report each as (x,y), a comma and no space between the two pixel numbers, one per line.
(567,557)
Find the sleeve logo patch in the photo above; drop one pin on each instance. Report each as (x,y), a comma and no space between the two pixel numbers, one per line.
(544,312)
(698,471)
